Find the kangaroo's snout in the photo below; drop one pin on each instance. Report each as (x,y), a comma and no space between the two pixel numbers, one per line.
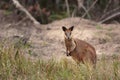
(67,53)
(68,32)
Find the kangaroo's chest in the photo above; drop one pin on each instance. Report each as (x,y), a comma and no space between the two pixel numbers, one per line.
(70,45)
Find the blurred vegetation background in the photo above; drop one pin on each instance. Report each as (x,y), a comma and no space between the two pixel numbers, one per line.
(46,11)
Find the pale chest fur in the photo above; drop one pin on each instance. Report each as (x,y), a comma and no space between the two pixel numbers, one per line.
(70,45)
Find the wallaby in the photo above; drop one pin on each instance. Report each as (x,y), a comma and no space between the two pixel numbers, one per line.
(78,49)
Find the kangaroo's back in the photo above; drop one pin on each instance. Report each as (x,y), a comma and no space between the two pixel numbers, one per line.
(83,52)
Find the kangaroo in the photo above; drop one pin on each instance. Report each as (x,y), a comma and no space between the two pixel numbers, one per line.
(79,50)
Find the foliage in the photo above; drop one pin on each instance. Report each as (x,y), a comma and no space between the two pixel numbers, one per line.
(58,10)
(56,16)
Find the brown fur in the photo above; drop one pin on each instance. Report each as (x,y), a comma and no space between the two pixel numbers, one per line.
(80,51)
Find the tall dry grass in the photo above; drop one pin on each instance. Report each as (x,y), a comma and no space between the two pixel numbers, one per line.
(15,66)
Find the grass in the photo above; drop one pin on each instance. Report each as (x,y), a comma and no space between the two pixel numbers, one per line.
(15,66)
(98,27)
(57,16)
(7,12)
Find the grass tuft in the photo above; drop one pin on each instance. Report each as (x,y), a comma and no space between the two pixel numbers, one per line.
(15,66)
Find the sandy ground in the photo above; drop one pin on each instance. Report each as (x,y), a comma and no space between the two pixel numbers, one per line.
(48,40)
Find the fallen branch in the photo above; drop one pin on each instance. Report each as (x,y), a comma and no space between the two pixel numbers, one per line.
(87,11)
(110,17)
(20,7)
(107,6)
(84,8)
(80,5)
(109,12)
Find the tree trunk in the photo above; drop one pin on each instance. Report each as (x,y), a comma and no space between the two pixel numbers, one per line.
(80,3)
(20,7)
(68,9)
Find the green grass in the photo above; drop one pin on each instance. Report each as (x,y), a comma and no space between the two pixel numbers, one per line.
(7,12)
(58,16)
(15,66)
(98,27)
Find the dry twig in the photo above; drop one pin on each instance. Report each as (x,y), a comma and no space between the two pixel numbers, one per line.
(20,7)
(87,11)
(110,17)
(109,12)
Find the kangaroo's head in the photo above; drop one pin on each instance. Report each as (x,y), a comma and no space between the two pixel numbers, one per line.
(68,32)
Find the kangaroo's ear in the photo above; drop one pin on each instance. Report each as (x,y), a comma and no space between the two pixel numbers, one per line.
(71,28)
(64,28)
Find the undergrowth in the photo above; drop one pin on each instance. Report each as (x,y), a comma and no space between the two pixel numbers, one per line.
(14,65)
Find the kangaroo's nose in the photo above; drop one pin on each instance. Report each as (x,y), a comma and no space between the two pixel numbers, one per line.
(67,54)
(69,38)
